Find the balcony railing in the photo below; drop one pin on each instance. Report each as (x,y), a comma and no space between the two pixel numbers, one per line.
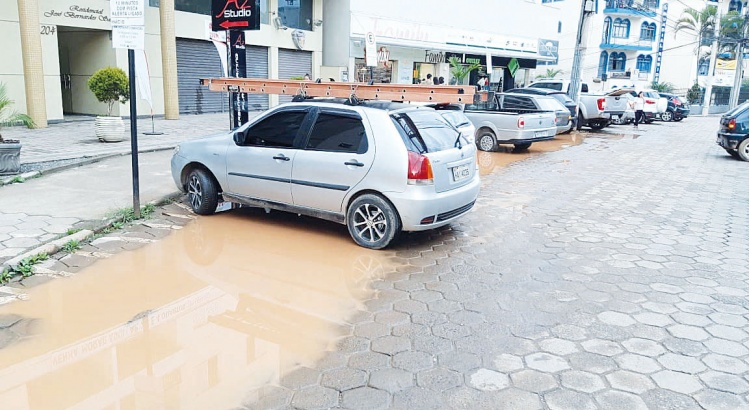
(626,44)
(646,8)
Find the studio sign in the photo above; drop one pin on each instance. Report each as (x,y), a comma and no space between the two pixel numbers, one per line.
(78,12)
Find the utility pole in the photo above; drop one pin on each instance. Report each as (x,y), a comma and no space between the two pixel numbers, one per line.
(575,72)
(712,63)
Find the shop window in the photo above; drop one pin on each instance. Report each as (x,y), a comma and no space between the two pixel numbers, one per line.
(382,73)
(648,31)
(617,61)
(643,63)
(296,13)
(204,7)
(621,28)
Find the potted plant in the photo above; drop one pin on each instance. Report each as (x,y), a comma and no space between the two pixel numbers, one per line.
(10,150)
(110,86)
(460,71)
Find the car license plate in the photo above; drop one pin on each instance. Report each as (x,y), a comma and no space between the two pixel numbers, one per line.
(539,134)
(460,172)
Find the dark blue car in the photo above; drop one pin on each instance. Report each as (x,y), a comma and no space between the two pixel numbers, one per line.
(733,131)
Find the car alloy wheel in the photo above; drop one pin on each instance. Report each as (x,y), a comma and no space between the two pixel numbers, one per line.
(486,142)
(667,116)
(372,221)
(744,150)
(195,192)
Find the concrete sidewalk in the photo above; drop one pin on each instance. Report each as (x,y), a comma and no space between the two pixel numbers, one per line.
(77,139)
(42,209)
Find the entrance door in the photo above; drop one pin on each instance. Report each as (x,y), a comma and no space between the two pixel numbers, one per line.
(65,77)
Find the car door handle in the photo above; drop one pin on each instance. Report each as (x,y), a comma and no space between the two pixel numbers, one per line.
(282,157)
(354,163)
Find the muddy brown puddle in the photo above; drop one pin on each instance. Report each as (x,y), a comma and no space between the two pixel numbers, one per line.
(194,321)
(504,156)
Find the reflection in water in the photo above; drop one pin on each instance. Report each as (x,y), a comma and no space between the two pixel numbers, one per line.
(194,321)
(505,156)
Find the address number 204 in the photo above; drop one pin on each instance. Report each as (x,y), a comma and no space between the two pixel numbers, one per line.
(48,30)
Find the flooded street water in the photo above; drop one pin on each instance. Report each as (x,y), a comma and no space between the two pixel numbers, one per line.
(193,321)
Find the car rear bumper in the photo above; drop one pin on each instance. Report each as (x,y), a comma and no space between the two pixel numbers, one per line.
(729,141)
(527,136)
(418,203)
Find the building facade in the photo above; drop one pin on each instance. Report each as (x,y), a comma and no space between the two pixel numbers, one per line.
(75,40)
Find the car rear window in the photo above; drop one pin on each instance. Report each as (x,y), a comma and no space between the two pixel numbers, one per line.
(563,98)
(553,86)
(548,104)
(425,131)
(456,118)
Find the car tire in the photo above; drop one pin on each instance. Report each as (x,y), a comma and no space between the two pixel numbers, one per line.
(597,125)
(667,116)
(678,119)
(521,147)
(202,192)
(579,123)
(742,150)
(648,121)
(486,141)
(372,221)
(733,153)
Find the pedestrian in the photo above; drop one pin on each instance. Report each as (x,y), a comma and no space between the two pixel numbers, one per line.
(481,83)
(637,106)
(428,80)
(441,80)
(307,77)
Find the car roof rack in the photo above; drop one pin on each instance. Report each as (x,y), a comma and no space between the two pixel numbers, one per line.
(353,92)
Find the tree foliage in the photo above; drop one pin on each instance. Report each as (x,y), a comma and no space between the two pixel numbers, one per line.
(663,87)
(695,94)
(550,73)
(8,116)
(110,86)
(460,71)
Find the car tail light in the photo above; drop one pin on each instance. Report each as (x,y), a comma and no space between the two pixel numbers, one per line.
(675,101)
(428,220)
(732,124)
(420,170)
(521,122)
(650,102)
(601,103)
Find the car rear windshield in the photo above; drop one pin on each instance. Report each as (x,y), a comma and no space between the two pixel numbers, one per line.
(552,86)
(549,104)
(425,131)
(563,98)
(456,118)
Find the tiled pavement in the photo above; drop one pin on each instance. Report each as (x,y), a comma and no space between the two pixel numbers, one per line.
(611,275)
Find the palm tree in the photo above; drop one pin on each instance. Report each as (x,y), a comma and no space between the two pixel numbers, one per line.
(460,71)
(733,28)
(699,23)
(550,73)
(7,115)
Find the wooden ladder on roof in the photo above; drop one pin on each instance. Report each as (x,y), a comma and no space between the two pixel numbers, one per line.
(438,94)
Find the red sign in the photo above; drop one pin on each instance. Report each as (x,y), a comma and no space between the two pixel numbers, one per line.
(235,14)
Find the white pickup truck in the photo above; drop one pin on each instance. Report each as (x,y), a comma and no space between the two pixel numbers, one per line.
(595,110)
(496,124)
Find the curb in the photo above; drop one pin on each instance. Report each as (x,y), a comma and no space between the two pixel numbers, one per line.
(55,245)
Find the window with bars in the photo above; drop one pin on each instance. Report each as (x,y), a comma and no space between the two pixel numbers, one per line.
(648,31)
(617,61)
(643,63)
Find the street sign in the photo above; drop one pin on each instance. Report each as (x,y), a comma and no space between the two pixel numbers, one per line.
(371,54)
(130,37)
(513,67)
(235,14)
(127,12)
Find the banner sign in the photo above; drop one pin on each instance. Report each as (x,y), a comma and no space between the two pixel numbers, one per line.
(513,67)
(663,29)
(235,14)
(549,48)
(238,69)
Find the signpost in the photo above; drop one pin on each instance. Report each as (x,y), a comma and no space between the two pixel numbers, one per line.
(128,31)
(513,67)
(371,53)
(236,16)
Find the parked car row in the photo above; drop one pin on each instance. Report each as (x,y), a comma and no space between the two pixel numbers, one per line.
(733,132)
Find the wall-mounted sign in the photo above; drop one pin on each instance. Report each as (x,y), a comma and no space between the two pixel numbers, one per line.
(79,13)
(513,67)
(298,38)
(130,37)
(235,14)
(371,55)
(549,48)
(383,56)
(435,57)
(127,12)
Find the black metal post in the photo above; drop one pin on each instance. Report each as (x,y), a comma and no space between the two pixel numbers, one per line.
(134,135)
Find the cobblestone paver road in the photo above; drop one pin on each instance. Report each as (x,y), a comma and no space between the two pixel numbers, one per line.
(610,275)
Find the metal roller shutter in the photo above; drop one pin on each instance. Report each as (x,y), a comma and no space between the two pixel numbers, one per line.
(257,67)
(198,59)
(293,63)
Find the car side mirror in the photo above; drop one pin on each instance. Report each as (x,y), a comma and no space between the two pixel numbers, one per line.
(239,138)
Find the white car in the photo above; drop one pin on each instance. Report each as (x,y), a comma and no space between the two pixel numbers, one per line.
(654,104)
(378,167)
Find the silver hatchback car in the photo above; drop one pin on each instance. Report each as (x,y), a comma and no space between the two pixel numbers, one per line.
(378,167)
